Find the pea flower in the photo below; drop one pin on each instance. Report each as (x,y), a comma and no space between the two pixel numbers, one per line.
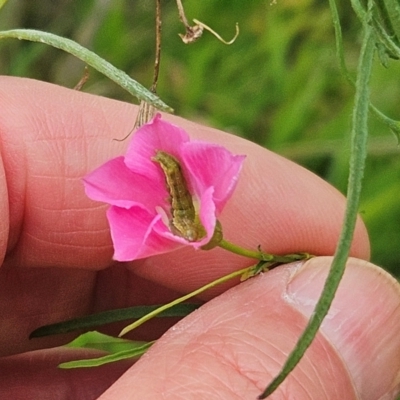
(165,193)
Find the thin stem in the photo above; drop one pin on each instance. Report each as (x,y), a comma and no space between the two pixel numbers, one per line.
(158,47)
(146,110)
(192,32)
(357,163)
(183,298)
(245,272)
(233,248)
(339,41)
(90,58)
(260,255)
(385,39)
(182,15)
(83,80)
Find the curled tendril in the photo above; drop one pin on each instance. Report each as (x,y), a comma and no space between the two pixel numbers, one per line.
(204,26)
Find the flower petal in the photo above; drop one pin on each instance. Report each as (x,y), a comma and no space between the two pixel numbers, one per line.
(133,235)
(115,184)
(156,135)
(136,188)
(214,166)
(207,215)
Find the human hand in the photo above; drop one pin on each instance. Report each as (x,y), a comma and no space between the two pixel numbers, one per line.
(57,265)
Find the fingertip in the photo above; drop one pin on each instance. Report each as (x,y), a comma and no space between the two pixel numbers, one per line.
(363,321)
(234,345)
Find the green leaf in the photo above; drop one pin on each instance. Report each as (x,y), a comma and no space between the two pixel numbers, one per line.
(92,59)
(120,349)
(392,50)
(96,362)
(390,12)
(106,317)
(100,341)
(386,40)
(391,123)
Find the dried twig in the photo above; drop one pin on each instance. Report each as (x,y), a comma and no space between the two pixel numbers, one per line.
(194,32)
(146,110)
(83,80)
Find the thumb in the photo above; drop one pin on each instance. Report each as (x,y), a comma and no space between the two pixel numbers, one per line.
(235,344)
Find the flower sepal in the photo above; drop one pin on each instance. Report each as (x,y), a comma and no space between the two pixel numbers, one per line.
(215,239)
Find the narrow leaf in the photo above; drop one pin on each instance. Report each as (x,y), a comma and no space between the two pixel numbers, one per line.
(120,349)
(92,59)
(100,341)
(106,317)
(390,46)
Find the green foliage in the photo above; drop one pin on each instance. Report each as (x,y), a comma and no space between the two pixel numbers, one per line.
(118,349)
(91,59)
(106,317)
(279,84)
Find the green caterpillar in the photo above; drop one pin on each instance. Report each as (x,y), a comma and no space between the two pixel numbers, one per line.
(184,221)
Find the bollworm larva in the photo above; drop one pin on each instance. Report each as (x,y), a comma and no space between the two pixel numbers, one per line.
(183,214)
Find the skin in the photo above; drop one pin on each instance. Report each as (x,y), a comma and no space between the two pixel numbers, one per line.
(57,264)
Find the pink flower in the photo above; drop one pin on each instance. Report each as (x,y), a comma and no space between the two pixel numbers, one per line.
(139,190)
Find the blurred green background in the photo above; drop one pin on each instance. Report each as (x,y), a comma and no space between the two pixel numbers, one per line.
(278,85)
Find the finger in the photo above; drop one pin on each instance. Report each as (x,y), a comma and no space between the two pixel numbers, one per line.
(363,322)
(41,378)
(235,344)
(47,221)
(33,297)
(51,137)
(48,149)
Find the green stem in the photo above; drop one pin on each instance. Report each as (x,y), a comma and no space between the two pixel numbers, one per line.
(233,248)
(92,59)
(357,163)
(386,41)
(260,255)
(183,298)
(247,272)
